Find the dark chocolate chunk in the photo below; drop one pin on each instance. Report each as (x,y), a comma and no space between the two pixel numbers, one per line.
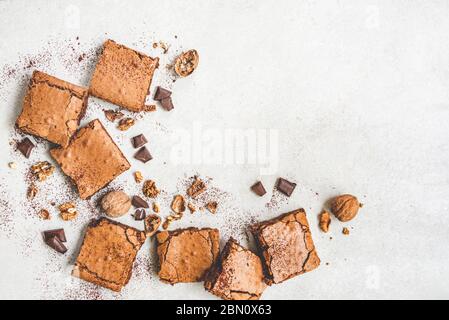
(167,104)
(258,188)
(143,155)
(138,202)
(56,244)
(25,146)
(139,214)
(139,141)
(285,186)
(161,93)
(59,233)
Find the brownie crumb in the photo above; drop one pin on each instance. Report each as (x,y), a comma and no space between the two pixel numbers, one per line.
(125,124)
(345,231)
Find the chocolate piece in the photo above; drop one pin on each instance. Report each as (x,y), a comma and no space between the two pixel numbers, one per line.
(286,246)
(138,202)
(123,76)
(25,146)
(237,275)
(258,189)
(58,233)
(285,186)
(185,255)
(52,108)
(107,254)
(161,93)
(139,141)
(92,160)
(167,103)
(56,244)
(140,214)
(143,155)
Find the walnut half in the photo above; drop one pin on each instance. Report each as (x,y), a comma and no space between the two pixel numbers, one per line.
(186,63)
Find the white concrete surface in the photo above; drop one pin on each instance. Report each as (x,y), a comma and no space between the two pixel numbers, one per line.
(354,93)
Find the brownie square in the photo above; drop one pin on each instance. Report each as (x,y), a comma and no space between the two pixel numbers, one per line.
(91,160)
(52,108)
(185,255)
(286,246)
(123,76)
(237,274)
(107,253)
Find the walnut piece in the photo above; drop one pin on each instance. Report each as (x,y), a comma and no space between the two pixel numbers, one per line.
(125,124)
(152,223)
(197,188)
(345,231)
(212,206)
(68,211)
(186,63)
(44,214)
(178,204)
(42,170)
(325,221)
(32,191)
(191,207)
(149,189)
(115,204)
(138,176)
(156,207)
(112,115)
(345,207)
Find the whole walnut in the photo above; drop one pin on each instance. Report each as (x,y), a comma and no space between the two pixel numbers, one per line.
(116,204)
(345,207)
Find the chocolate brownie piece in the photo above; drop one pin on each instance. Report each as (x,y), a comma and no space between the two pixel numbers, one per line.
(107,254)
(123,76)
(185,255)
(92,159)
(286,246)
(52,108)
(237,274)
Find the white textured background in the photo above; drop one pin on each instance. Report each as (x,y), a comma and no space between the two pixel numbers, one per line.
(358,91)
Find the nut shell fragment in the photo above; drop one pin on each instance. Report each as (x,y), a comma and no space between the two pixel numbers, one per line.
(186,63)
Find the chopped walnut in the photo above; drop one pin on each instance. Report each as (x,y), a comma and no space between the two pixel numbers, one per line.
(149,108)
(68,211)
(138,176)
(112,115)
(42,170)
(32,191)
(44,214)
(149,189)
(325,220)
(191,207)
(170,219)
(12,165)
(125,124)
(178,204)
(197,187)
(156,207)
(152,223)
(212,206)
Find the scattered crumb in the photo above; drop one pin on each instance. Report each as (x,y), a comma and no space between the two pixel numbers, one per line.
(191,207)
(345,231)
(44,214)
(12,165)
(164,46)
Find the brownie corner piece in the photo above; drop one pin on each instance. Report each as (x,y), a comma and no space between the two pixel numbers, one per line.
(186,255)
(52,108)
(107,253)
(123,76)
(286,246)
(92,159)
(237,274)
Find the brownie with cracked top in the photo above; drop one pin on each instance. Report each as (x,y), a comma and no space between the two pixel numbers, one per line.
(185,255)
(91,160)
(286,246)
(123,76)
(107,253)
(52,108)
(237,274)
